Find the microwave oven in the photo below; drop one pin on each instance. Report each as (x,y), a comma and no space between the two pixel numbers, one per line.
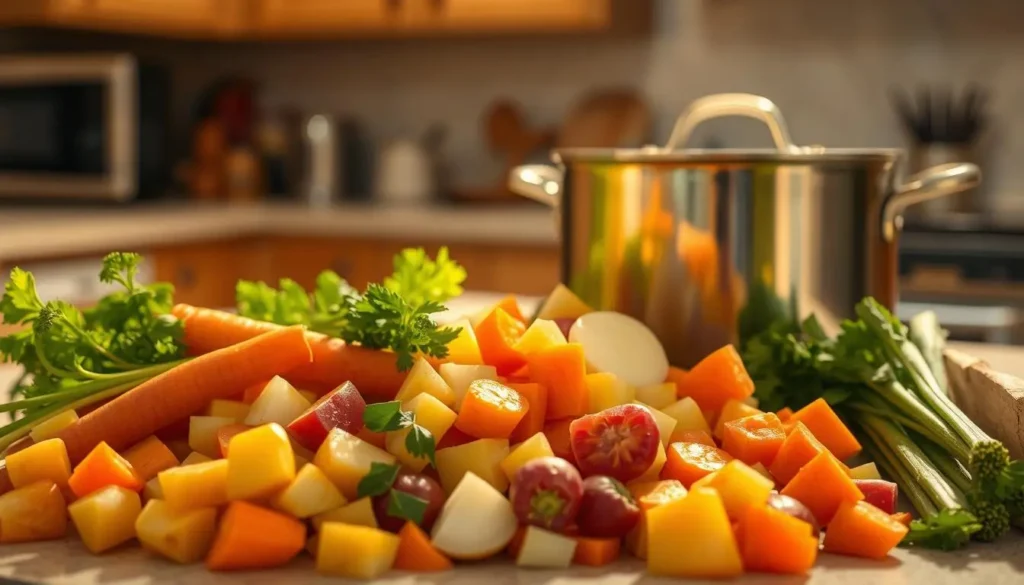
(83,126)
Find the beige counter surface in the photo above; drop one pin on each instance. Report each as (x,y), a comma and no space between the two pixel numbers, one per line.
(31,234)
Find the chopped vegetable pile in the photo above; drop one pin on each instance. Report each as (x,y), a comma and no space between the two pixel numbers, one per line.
(352,428)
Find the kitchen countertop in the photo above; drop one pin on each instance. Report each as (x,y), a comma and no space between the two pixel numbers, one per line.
(66,562)
(27,234)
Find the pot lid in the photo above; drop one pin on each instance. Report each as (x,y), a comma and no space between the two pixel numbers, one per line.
(723,105)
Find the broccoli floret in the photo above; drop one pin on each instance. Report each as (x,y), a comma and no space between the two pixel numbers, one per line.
(994,519)
(988,459)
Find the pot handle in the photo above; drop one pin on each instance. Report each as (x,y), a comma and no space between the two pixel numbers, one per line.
(731,104)
(932,183)
(541,183)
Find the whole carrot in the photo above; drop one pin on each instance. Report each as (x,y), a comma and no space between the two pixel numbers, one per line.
(373,372)
(186,390)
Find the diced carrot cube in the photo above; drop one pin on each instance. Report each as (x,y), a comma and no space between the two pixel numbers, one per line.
(717,378)
(562,369)
(797,450)
(826,426)
(754,439)
(823,485)
(862,530)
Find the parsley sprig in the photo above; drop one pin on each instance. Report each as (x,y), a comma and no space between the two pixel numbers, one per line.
(395,315)
(72,358)
(389,416)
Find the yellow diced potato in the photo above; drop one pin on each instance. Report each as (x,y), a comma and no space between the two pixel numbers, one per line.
(195,457)
(152,490)
(47,460)
(666,424)
(279,403)
(562,303)
(260,463)
(52,427)
(202,434)
(431,414)
(200,485)
(106,518)
(482,457)
(346,459)
(542,549)
(464,349)
(705,482)
(541,334)
(653,472)
(359,512)
(311,492)
(688,416)
(706,549)
(866,471)
(233,409)
(310,396)
(741,486)
(183,536)
(368,552)
(606,390)
(659,395)
(760,468)
(535,447)
(423,379)
(460,376)
(31,513)
(476,521)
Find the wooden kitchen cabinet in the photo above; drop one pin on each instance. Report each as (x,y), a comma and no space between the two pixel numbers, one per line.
(205,273)
(519,15)
(200,18)
(291,18)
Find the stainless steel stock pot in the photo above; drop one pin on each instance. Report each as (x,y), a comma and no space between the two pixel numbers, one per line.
(709,246)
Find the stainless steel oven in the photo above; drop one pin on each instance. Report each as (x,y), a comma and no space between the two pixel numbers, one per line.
(82,126)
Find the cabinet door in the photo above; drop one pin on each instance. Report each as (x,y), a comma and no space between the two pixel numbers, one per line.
(319,17)
(521,15)
(174,17)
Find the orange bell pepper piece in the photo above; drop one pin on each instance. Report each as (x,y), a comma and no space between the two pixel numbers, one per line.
(415,553)
(536,396)
(496,334)
(717,378)
(562,369)
(862,530)
(775,542)
(491,410)
(251,537)
(797,450)
(754,439)
(149,457)
(596,552)
(688,462)
(822,485)
(826,426)
(100,468)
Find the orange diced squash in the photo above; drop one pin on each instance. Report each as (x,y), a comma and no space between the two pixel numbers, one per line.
(32,513)
(826,426)
(823,485)
(862,530)
(732,410)
(754,439)
(775,542)
(251,537)
(562,369)
(497,335)
(688,462)
(100,468)
(785,413)
(416,553)
(797,450)
(149,457)
(45,460)
(596,552)
(716,379)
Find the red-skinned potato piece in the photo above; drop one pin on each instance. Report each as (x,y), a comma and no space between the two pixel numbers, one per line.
(340,408)
(879,493)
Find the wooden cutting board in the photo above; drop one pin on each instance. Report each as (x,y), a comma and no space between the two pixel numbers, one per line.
(992,399)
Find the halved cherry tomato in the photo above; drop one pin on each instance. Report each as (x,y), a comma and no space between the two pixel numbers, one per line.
(620,442)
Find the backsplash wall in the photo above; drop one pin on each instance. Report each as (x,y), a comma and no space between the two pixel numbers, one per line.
(828,66)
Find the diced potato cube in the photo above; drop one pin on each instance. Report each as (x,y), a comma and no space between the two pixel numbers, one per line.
(31,513)
(423,379)
(482,457)
(183,536)
(260,463)
(309,493)
(200,485)
(740,486)
(368,552)
(541,334)
(866,471)
(659,395)
(234,409)
(464,349)
(546,550)
(47,460)
(562,303)
(666,424)
(606,390)
(688,416)
(278,403)
(195,457)
(346,459)
(106,518)
(654,471)
(152,490)
(202,434)
(309,395)
(706,549)
(51,427)
(431,414)
(535,447)
(359,512)
(460,376)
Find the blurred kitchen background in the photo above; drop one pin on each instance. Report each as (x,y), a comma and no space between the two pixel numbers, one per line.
(281,137)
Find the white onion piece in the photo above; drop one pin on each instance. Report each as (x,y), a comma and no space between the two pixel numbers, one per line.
(619,344)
